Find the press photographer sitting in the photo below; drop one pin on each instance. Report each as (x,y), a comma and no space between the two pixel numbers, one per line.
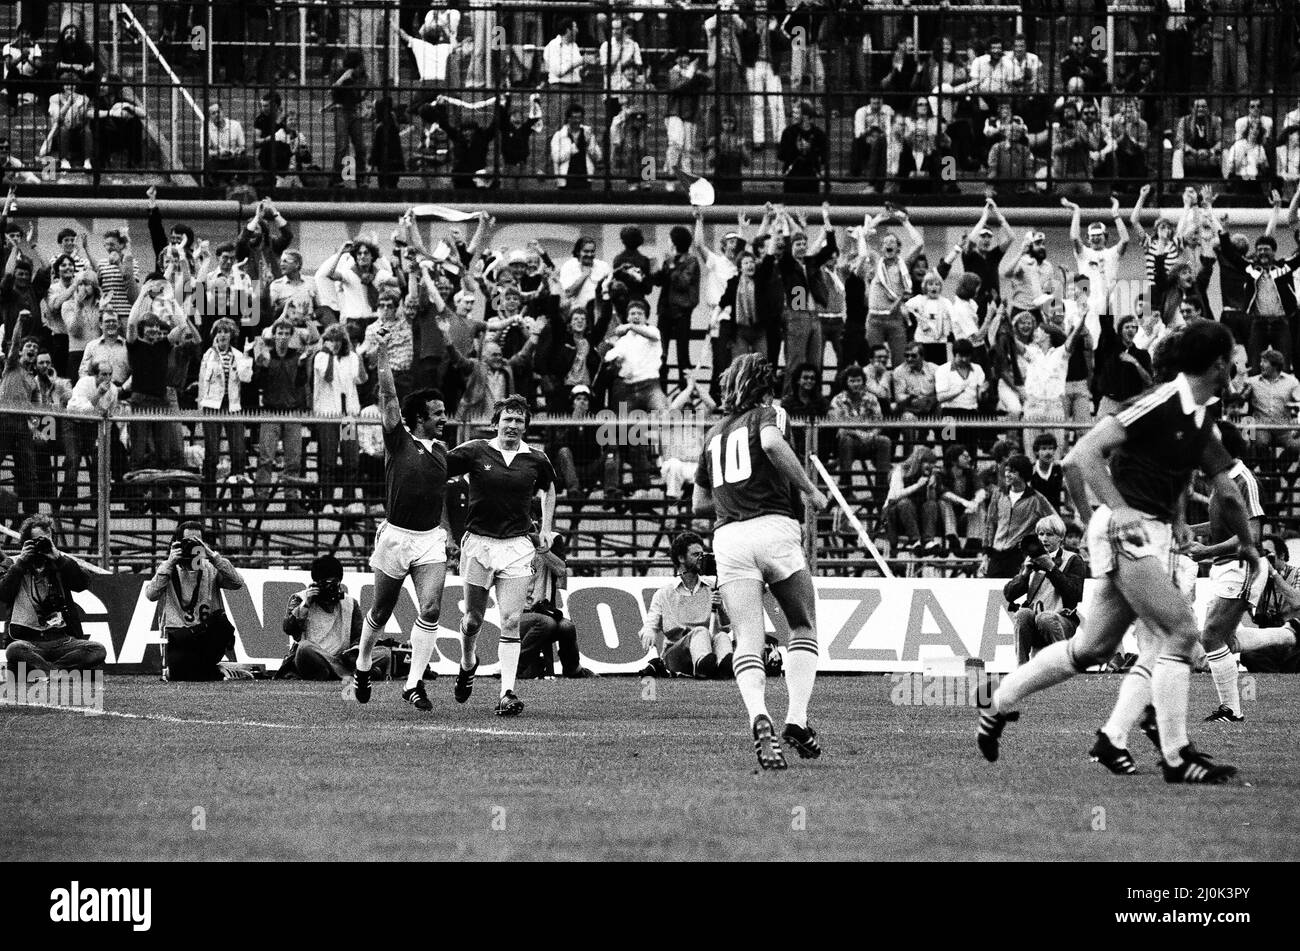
(1051,585)
(325,624)
(44,629)
(198,633)
(685,623)
(543,624)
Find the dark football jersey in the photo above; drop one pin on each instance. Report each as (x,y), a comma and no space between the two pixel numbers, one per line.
(500,495)
(1167,438)
(416,481)
(744,481)
(1220,530)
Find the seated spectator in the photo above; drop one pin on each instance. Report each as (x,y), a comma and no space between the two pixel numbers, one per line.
(960,500)
(870,123)
(856,404)
(1255,117)
(226,147)
(270,141)
(1050,582)
(915,394)
(72,54)
(727,155)
(542,623)
(12,170)
(324,621)
(71,136)
(120,125)
(1014,509)
(1198,143)
(919,166)
(1011,164)
(23,69)
(1246,163)
(912,506)
(196,631)
(685,624)
(44,630)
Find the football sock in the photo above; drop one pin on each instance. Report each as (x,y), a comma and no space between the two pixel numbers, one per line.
(1170,682)
(509,651)
(1257,638)
(370,632)
(468,656)
(1134,696)
(1050,666)
(423,637)
(752,681)
(800,675)
(1223,668)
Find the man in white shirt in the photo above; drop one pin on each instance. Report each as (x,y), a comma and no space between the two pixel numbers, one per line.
(1095,259)
(291,285)
(1023,69)
(960,383)
(581,274)
(638,353)
(1255,114)
(226,146)
(563,57)
(619,50)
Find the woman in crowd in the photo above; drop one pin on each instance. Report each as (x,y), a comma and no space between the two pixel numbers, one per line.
(336,371)
(912,506)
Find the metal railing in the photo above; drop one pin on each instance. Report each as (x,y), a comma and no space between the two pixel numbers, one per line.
(183,58)
(620,518)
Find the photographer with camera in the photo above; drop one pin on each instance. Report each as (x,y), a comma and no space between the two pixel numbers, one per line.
(325,624)
(44,630)
(1050,582)
(196,630)
(542,623)
(686,625)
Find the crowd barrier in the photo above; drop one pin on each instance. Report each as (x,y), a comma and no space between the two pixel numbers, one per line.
(902,625)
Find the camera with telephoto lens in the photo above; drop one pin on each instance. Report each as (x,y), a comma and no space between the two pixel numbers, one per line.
(329,593)
(1031,546)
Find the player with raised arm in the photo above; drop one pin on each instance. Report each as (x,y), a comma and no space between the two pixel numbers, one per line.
(750,480)
(505,476)
(1138,463)
(413,539)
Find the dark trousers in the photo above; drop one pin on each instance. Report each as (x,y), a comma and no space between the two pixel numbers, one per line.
(56,653)
(16,441)
(212,451)
(194,652)
(675,327)
(1034,631)
(329,439)
(537,632)
(1268,332)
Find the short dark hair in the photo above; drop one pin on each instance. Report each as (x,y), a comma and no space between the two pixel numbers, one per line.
(65,233)
(639,303)
(34,521)
(1266,240)
(681,237)
(1044,441)
(227,248)
(681,544)
(326,566)
(512,404)
(963,348)
(575,109)
(1020,465)
(183,527)
(1199,345)
(632,237)
(577,245)
(853,369)
(416,405)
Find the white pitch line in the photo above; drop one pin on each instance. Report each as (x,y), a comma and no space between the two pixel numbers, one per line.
(163,718)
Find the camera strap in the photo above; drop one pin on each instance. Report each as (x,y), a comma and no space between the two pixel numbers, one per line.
(187,607)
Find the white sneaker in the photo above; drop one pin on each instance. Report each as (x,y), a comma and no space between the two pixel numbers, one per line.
(356,508)
(86,165)
(329,509)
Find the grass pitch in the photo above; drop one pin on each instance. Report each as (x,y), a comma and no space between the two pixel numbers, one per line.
(249,771)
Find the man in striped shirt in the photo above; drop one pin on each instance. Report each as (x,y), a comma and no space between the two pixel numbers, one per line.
(119,276)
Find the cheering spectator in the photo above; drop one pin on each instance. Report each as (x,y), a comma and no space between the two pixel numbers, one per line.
(108,348)
(337,370)
(1246,164)
(679,277)
(1123,368)
(23,69)
(280,373)
(221,374)
(686,84)
(154,445)
(581,274)
(19,389)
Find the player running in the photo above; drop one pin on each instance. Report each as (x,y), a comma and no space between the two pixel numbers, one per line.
(505,475)
(413,539)
(1139,462)
(750,479)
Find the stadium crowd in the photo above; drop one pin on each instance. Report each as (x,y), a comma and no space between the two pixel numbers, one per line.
(873,333)
(630,95)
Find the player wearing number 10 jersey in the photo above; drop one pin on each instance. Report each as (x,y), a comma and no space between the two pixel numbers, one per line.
(750,479)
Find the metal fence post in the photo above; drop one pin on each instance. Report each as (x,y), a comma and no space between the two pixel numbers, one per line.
(104,501)
(810,513)
(302,44)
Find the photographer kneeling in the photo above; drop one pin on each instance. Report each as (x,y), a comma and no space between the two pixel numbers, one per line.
(45,626)
(325,623)
(1051,584)
(197,631)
